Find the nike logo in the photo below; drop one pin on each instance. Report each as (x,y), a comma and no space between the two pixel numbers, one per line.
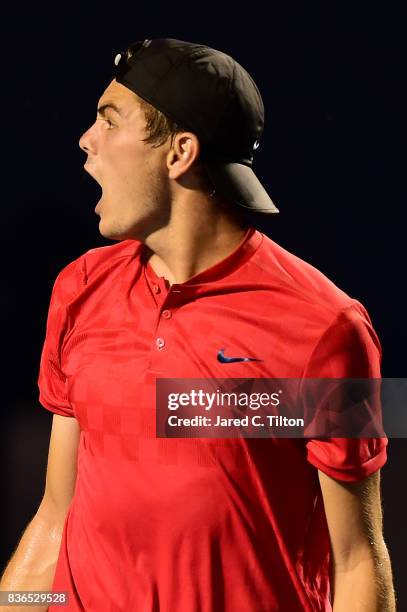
(223,359)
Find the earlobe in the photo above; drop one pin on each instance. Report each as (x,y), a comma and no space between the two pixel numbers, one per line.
(183,153)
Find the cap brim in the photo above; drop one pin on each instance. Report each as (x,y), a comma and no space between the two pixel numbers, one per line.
(239,184)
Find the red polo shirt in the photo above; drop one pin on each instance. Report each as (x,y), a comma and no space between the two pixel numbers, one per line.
(197,525)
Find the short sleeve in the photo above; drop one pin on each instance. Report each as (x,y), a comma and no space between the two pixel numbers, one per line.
(52,379)
(349,348)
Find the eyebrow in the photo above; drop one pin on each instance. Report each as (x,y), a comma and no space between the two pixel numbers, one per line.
(101,109)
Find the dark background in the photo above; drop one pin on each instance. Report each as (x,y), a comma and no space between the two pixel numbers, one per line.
(333,158)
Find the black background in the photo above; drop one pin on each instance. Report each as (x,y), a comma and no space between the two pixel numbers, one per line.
(333,158)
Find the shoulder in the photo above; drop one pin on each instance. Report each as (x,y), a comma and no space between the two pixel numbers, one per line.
(100,258)
(76,274)
(301,282)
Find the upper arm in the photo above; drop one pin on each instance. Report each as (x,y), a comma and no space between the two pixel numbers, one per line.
(61,468)
(354,514)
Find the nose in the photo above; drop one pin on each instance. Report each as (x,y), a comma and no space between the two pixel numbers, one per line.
(87,141)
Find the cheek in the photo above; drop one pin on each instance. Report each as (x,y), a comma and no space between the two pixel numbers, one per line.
(133,168)
(128,166)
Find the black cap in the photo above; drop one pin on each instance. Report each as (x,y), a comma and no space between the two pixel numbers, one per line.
(208,93)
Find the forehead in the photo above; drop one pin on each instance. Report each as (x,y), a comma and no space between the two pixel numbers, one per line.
(120,95)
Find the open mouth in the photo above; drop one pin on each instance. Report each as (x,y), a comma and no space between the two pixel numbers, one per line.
(88,170)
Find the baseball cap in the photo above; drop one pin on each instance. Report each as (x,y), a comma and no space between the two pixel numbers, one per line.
(207,92)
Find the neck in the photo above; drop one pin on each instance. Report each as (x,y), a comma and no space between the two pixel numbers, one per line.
(194,241)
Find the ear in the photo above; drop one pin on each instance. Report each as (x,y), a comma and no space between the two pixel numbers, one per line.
(183,153)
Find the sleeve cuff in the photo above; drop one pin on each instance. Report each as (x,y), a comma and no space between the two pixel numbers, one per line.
(350,473)
(68,412)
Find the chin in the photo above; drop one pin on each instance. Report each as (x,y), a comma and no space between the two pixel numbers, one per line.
(111,232)
(113,236)
(122,226)
(107,231)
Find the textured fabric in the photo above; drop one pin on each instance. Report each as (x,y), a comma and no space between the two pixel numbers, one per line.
(197,525)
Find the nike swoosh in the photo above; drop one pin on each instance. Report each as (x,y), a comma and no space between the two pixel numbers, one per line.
(223,359)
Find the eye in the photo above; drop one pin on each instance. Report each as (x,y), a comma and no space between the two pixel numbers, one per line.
(106,120)
(110,124)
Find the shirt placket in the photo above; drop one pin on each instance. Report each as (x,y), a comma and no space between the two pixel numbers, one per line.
(167,300)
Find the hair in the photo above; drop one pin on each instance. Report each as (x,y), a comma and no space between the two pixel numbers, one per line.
(159,128)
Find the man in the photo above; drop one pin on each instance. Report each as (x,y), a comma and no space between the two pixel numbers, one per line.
(134,522)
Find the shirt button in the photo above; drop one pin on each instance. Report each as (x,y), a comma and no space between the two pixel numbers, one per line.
(167,314)
(156,289)
(159,343)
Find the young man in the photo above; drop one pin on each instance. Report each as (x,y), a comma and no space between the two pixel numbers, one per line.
(134,522)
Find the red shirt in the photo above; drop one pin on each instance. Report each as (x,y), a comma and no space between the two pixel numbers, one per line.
(197,525)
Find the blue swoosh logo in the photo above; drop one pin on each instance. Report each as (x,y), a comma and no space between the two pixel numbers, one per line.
(223,359)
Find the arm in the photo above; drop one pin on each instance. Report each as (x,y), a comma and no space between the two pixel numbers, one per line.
(361,570)
(33,563)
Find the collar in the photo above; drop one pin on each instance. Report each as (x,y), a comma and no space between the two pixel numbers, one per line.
(235,260)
